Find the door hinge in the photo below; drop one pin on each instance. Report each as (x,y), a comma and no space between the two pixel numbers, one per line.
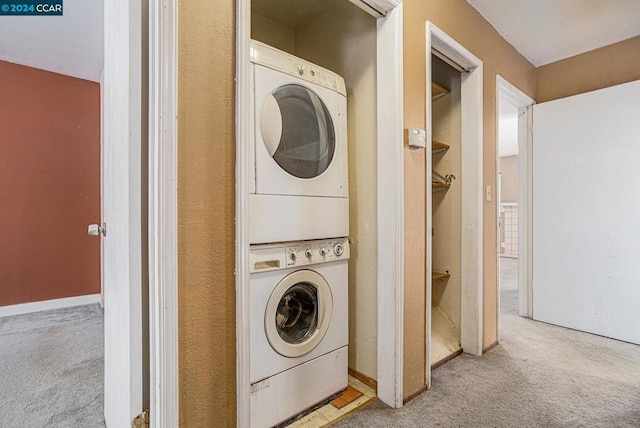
(141,421)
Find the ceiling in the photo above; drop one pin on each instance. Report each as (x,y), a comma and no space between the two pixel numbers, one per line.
(545,31)
(72,44)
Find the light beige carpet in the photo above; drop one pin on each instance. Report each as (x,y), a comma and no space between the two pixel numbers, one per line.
(51,369)
(539,376)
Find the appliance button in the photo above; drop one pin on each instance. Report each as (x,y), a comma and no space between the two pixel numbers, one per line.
(338,249)
(308,253)
(292,255)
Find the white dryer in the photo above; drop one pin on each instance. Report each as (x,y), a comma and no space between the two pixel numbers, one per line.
(298,327)
(299,180)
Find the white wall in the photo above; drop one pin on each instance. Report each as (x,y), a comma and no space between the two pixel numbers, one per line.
(507,128)
(586,212)
(509,204)
(509,179)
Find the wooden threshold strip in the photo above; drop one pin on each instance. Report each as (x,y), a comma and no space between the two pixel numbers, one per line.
(446,359)
(414,394)
(349,395)
(364,379)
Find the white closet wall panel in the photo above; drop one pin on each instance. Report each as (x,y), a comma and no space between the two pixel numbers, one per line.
(586,212)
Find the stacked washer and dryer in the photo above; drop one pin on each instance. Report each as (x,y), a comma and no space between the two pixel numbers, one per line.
(299,222)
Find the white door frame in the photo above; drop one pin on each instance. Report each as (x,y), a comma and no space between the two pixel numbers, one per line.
(163,217)
(121,172)
(390,214)
(390,194)
(243,165)
(162,245)
(505,91)
(472,191)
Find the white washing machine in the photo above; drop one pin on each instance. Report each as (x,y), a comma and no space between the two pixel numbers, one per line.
(299,180)
(298,328)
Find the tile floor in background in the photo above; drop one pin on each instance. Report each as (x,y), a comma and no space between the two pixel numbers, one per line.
(328,415)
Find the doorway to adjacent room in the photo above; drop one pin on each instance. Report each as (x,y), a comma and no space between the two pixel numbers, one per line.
(513,201)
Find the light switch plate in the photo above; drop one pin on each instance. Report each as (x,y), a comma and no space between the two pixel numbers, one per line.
(488,193)
(417,137)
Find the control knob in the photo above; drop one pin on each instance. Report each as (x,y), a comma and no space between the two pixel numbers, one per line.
(300,69)
(338,249)
(323,251)
(292,255)
(308,253)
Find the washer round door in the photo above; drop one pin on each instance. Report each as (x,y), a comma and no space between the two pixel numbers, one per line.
(297,131)
(298,313)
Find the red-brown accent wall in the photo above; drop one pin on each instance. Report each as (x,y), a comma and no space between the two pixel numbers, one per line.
(49,185)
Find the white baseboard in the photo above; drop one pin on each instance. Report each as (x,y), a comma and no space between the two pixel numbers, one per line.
(46,305)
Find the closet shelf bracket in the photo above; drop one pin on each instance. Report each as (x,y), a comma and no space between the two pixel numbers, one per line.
(439,182)
(438,147)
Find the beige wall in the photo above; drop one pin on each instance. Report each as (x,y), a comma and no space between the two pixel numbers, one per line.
(272,33)
(597,69)
(206,211)
(458,19)
(206,192)
(206,182)
(343,39)
(509,170)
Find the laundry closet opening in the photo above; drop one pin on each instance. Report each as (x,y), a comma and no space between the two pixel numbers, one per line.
(340,37)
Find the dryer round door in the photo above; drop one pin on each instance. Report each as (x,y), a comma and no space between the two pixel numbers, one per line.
(297,131)
(298,313)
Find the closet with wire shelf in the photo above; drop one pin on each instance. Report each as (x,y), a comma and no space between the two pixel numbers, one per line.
(446,214)
(438,91)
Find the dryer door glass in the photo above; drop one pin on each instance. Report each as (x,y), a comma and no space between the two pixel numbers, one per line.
(297,313)
(307,140)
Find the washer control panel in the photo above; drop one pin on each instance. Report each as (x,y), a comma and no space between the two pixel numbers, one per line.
(312,252)
(268,257)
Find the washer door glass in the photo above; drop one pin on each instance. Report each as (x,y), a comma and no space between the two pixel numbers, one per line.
(307,140)
(297,313)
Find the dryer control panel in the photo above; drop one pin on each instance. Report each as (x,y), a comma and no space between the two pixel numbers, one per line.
(273,58)
(296,254)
